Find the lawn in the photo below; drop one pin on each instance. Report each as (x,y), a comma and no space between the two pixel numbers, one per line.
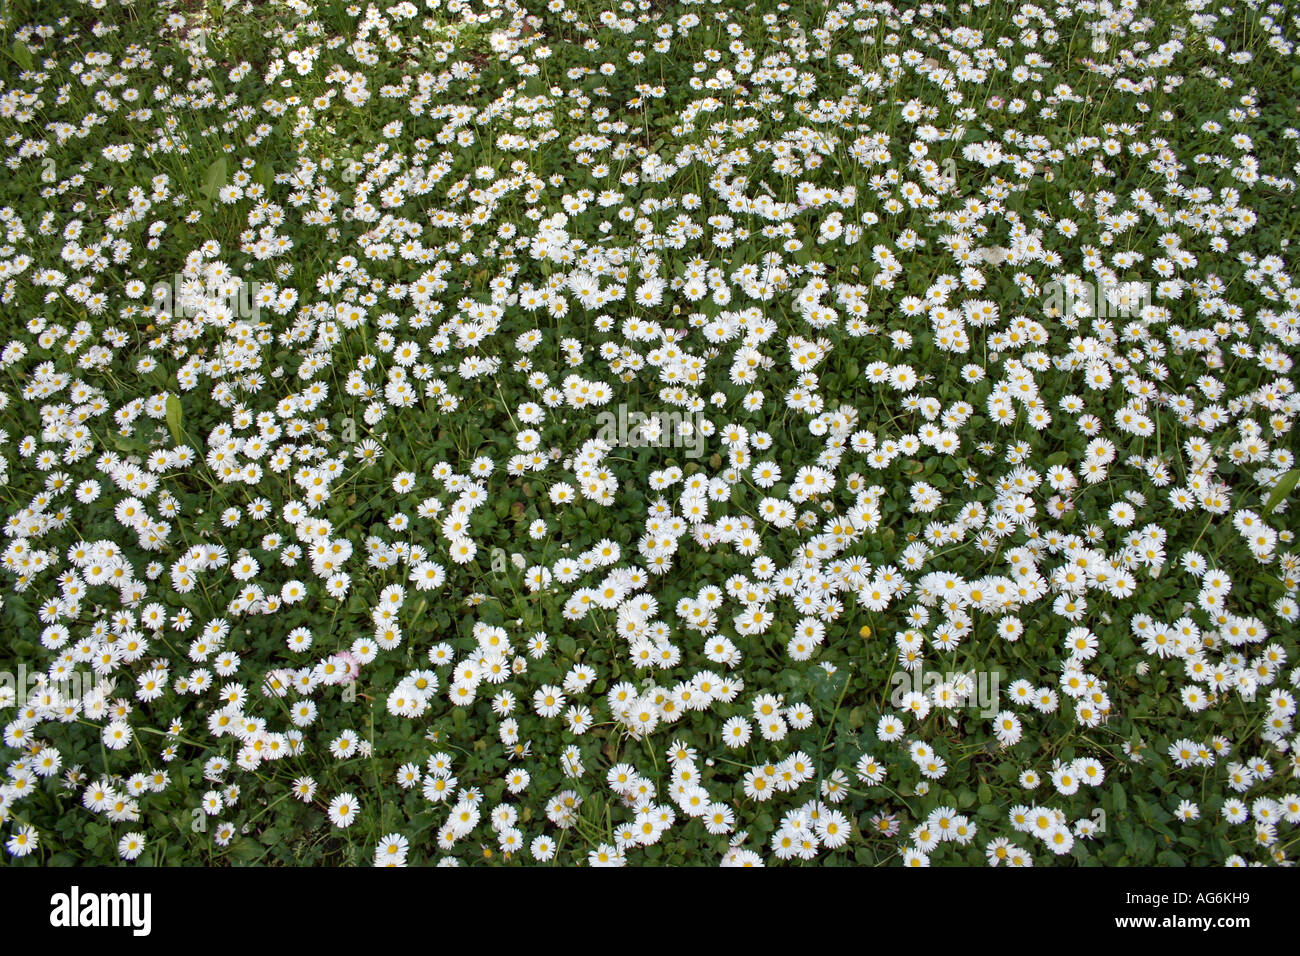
(671,432)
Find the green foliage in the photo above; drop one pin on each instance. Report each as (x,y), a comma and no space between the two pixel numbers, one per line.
(477,228)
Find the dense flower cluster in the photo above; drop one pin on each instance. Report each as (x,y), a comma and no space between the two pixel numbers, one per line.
(485,429)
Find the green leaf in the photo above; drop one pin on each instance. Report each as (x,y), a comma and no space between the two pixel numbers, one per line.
(245,851)
(22,54)
(215,177)
(174,419)
(1284,487)
(1273,582)
(1121,800)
